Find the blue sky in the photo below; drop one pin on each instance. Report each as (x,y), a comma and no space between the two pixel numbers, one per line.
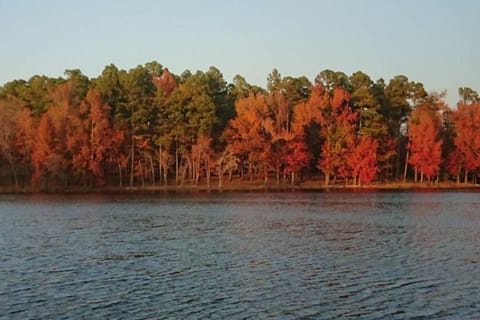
(435,42)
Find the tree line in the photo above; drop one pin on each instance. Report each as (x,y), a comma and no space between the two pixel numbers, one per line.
(150,127)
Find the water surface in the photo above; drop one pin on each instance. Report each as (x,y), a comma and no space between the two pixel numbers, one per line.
(368,255)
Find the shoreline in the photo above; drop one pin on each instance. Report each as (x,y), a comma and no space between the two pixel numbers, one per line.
(308,186)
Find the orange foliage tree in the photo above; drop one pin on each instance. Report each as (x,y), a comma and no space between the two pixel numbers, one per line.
(91,139)
(7,135)
(50,155)
(339,134)
(246,133)
(24,139)
(43,151)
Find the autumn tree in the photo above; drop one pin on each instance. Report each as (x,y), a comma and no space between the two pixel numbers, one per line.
(284,94)
(363,160)
(298,157)
(7,138)
(339,134)
(92,139)
(43,152)
(58,122)
(467,139)
(246,132)
(226,161)
(201,157)
(146,125)
(425,145)
(165,83)
(308,117)
(23,142)
(277,124)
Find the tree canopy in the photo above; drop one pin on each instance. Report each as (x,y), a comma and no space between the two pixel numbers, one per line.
(147,126)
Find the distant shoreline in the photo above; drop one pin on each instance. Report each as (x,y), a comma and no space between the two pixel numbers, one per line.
(307,186)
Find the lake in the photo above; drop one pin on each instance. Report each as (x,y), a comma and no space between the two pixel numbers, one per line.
(299,255)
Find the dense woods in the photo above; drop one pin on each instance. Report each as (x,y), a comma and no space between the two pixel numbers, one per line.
(148,127)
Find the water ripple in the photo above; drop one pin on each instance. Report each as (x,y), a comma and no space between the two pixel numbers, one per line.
(241,256)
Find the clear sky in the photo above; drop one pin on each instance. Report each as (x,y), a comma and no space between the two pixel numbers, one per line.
(436,42)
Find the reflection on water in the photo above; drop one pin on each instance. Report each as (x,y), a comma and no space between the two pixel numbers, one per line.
(367,255)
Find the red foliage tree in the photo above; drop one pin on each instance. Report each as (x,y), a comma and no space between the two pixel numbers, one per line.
(363,159)
(467,140)
(424,143)
(298,156)
(455,163)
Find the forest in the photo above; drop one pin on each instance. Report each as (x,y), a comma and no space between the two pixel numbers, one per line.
(147,127)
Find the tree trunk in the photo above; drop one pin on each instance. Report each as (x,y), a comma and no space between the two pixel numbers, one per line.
(14,172)
(152,167)
(120,176)
(220,175)
(242,171)
(293,178)
(197,172)
(165,176)
(406,167)
(177,172)
(193,173)
(142,174)
(132,163)
(160,165)
(466,177)
(184,174)
(397,160)
(208,173)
